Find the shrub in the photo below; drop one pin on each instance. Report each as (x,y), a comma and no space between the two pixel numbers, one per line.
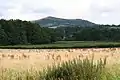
(76,70)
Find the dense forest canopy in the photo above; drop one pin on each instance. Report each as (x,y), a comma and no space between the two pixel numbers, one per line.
(95,33)
(15,32)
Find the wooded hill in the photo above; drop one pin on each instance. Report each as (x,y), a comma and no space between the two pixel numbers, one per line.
(60,22)
(16,32)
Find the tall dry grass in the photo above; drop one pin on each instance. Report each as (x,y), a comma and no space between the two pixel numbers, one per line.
(72,70)
(73,64)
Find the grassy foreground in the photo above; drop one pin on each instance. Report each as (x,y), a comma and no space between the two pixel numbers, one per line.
(65,45)
(72,70)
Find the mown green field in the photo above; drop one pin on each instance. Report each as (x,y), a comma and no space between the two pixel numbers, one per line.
(66,44)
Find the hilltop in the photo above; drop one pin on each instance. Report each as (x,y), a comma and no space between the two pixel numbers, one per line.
(60,22)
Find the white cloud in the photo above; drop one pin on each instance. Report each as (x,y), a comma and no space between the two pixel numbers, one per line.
(99,11)
(105,11)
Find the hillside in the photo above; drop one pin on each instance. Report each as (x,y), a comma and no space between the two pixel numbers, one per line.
(59,22)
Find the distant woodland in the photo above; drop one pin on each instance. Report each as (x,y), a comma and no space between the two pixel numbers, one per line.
(18,32)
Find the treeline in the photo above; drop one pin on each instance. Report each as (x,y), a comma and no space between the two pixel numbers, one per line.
(17,32)
(14,32)
(95,33)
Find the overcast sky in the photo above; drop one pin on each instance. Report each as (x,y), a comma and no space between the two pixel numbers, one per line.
(97,11)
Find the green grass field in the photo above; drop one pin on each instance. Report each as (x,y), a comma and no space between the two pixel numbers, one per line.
(66,44)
